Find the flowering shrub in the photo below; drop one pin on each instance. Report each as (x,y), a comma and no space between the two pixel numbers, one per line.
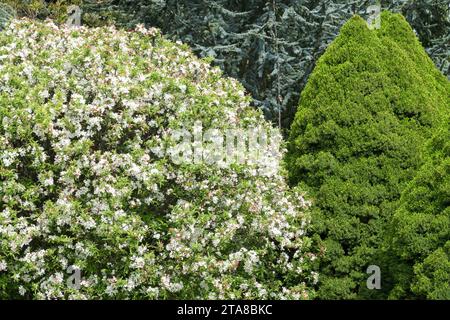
(86,184)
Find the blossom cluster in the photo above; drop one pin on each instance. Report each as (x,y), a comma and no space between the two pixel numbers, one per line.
(84,182)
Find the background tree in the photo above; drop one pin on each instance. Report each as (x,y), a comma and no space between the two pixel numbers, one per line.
(271,46)
(6,14)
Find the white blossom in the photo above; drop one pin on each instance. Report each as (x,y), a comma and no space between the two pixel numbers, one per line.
(90,178)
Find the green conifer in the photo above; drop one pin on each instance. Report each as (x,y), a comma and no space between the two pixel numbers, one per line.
(421,227)
(369,106)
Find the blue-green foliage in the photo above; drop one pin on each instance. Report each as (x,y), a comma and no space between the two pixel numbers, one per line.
(6,14)
(271,46)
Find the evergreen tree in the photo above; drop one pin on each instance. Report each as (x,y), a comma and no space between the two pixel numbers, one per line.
(271,46)
(431,21)
(421,227)
(368,107)
(6,14)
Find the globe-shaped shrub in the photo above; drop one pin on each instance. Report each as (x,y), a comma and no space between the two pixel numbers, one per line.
(369,106)
(87,183)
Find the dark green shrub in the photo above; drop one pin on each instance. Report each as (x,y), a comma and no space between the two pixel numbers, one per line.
(371,102)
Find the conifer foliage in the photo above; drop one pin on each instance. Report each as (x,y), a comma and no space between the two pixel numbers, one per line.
(372,100)
(87,181)
(421,226)
(7,13)
(271,47)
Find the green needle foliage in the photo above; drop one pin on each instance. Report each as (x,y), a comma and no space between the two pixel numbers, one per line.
(364,115)
(421,227)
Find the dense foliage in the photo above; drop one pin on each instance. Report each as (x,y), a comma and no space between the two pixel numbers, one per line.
(370,104)
(89,143)
(7,13)
(40,9)
(85,181)
(421,226)
(271,47)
